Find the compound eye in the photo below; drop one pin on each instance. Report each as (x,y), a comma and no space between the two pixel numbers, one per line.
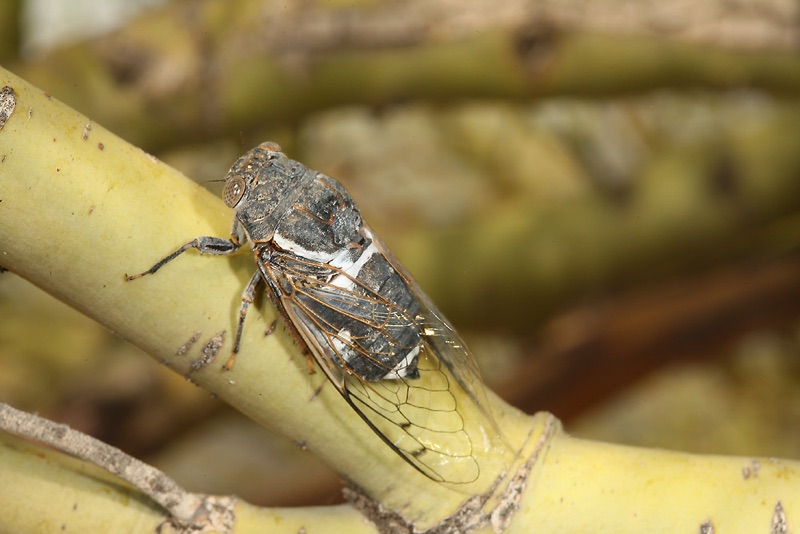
(234,191)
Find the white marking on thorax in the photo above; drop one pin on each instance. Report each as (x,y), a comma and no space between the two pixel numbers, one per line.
(350,272)
(341,259)
(294,248)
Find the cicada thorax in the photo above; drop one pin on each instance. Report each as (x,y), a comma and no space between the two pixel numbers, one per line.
(323,260)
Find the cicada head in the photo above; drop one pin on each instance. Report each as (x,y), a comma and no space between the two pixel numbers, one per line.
(259,186)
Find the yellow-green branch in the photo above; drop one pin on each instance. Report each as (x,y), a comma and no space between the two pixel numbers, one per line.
(79,208)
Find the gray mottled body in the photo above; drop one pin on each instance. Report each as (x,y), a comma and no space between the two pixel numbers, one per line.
(394,358)
(316,254)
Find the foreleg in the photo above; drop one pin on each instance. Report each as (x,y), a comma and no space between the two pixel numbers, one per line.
(204,244)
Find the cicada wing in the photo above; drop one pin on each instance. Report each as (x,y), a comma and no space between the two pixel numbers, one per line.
(416,411)
(420,419)
(317,342)
(443,340)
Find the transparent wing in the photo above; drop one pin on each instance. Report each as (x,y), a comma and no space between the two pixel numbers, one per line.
(420,418)
(443,339)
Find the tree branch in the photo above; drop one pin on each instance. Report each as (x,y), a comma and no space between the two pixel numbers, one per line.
(199,512)
(79,208)
(46,491)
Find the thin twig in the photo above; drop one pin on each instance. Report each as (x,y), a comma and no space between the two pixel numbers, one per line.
(199,512)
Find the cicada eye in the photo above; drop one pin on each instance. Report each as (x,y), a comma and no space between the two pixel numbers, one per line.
(234,191)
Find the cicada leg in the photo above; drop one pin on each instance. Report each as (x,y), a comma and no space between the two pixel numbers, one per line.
(203,244)
(247,299)
(217,246)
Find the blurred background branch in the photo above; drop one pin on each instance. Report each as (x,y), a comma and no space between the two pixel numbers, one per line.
(252,62)
(602,195)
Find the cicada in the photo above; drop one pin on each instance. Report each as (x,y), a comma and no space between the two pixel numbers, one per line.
(350,304)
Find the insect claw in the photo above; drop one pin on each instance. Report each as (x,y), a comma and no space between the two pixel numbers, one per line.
(229,364)
(129,277)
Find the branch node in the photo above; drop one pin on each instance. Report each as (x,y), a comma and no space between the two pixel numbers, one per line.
(494,509)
